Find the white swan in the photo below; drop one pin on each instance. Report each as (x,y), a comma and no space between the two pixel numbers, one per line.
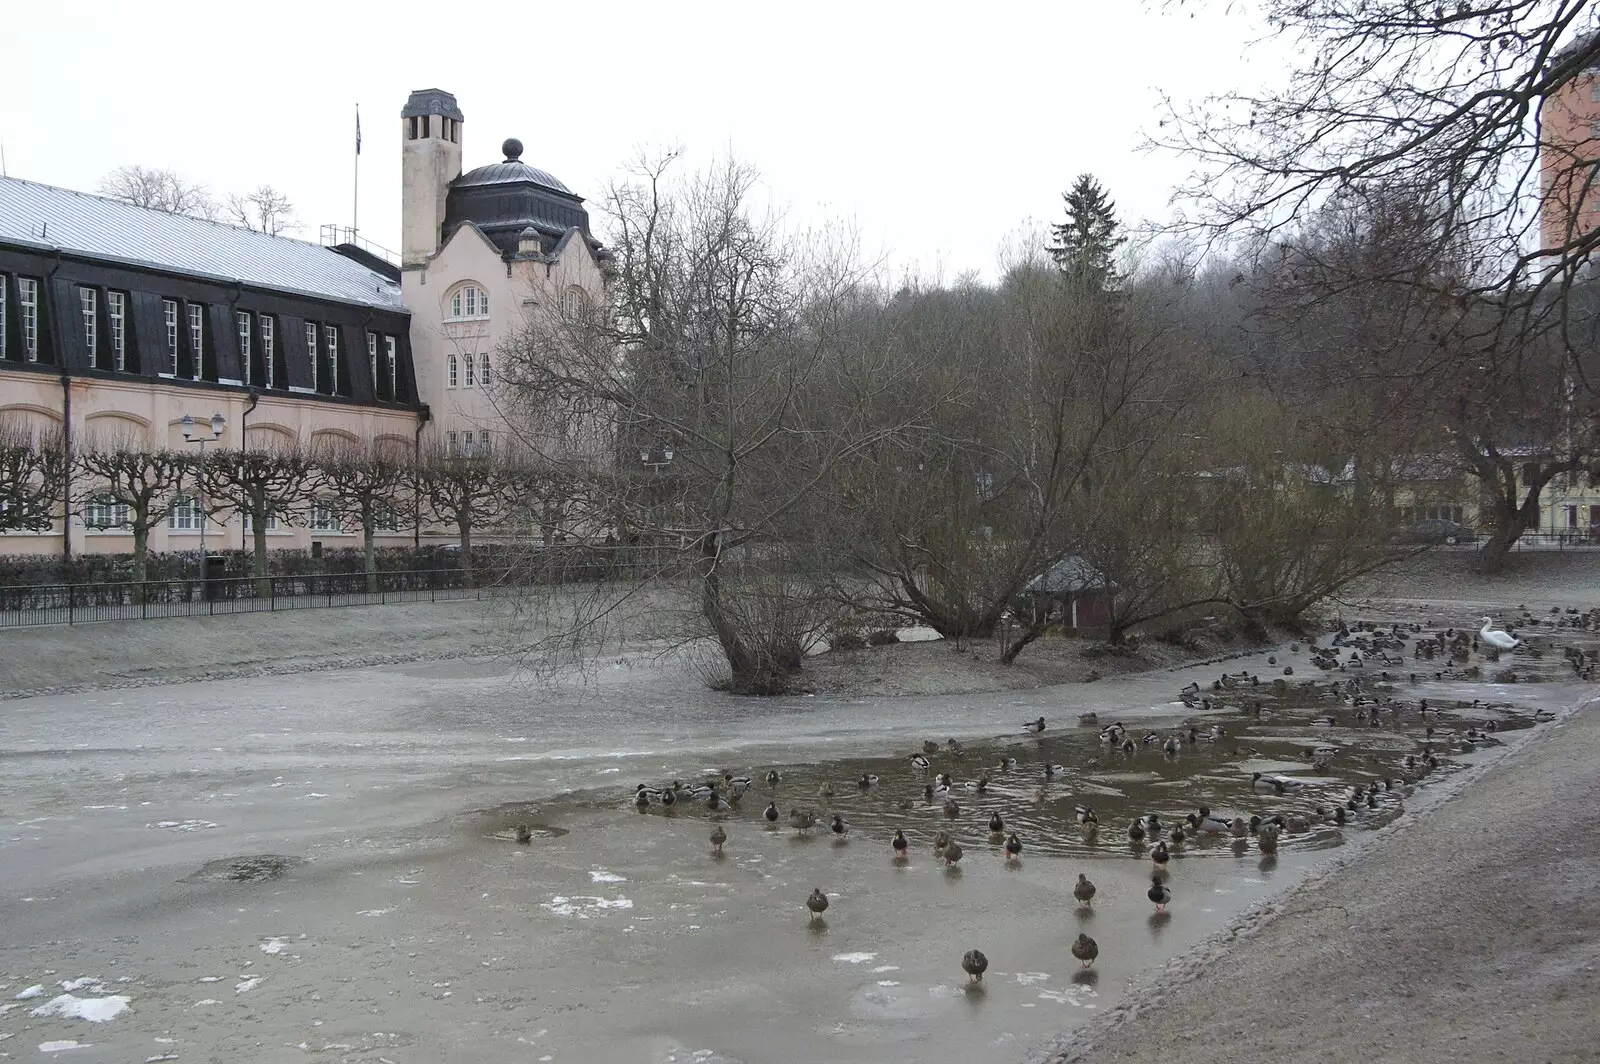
(1496,638)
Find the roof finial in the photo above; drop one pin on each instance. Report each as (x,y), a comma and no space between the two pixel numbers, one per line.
(513,149)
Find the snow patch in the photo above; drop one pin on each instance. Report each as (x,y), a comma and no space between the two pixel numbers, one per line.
(273,945)
(183,825)
(854,958)
(1032,978)
(32,992)
(247,984)
(600,875)
(94,1010)
(583,907)
(57,1047)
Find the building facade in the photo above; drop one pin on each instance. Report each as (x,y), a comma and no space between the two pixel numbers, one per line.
(1569,148)
(117,321)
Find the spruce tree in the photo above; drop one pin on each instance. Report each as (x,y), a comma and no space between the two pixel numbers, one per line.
(1086,243)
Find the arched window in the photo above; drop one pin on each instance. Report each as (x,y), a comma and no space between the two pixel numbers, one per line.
(450,371)
(468,300)
(483,368)
(574,303)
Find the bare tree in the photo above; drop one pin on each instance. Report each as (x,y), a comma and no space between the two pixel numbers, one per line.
(467,492)
(364,489)
(266,210)
(159,190)
(32,477)
(119,478)
(266,485)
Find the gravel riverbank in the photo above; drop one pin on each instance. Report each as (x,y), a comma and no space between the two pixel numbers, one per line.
(1461,934)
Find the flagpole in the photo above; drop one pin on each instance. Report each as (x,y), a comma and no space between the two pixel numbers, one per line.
(355,198)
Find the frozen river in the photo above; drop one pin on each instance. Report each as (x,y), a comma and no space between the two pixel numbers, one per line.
(403,925)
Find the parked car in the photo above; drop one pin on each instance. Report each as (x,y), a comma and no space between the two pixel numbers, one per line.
(1438,530)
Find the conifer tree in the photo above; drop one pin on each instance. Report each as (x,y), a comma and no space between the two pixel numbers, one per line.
(1086,243)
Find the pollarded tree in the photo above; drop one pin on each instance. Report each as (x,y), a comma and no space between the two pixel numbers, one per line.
(266,484)
(468,492)
(120,483)
(32,477)
(1086,244)
(364,489)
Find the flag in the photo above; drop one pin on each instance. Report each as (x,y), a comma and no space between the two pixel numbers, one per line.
(358,129)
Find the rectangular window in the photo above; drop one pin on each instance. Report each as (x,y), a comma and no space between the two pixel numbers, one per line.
(171,307)
(268,354)
(1572,516)
(466,444)
(241,321)
(331,333)
(311,352)
(394,361)
(372,359)
(91,321)
(197,339)
(184,515)
(450,371)
(28,297)
(106,513)
(483,369)
(469,373)
(271,522)
(483,442)
(322,518)
(385,519)
(472,302)
(450,445)
(116,314)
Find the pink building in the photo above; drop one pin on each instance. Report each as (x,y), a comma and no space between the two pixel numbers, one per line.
(1569,148)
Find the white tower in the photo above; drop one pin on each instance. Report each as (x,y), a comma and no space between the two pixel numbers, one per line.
(430,159)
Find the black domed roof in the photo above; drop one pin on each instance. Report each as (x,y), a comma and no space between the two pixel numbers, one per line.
(503,199)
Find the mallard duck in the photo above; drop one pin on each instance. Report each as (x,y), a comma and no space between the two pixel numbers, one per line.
(1238,828)
(817,902)
(919,762)
(974,963)
(940,841)
(699,792)
(1159,856)
(1128,746)
(934,795)
(717,803)
(840,828)
(929,746)
(771,812)
(951,854)
(1151,738)
(523,834)
(718,837)
(1034,726)
(642,796)
(1013,847)
(739,782)
(1088,718)
(669,796)
(1113,733)
(773,777)
(1159,893)
(802,820)
(1298,823)
(1089,830)
(1207,824)
(1007,764)
(826,790)
(900,844)
(1085,949)
(1085,814)
(980,785)
(736,789)
(867,780)
(951,809)
(945,780)
(955,749)
(1084,891)
(1263,783)
(997,826)
(1267,837)
(1177,836)
(1053,771)
(1171,747)
(1136,831)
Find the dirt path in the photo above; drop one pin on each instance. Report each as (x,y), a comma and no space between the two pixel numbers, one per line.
(1467,934)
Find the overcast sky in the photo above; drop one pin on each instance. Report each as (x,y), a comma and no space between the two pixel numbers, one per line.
(937,128)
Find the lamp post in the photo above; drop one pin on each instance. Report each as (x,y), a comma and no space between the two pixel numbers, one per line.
(648,457)
(196,432)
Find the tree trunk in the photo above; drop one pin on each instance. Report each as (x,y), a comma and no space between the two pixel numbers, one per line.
(1026,636)
(464,526)
(369,551)
(141,556)
(258,536)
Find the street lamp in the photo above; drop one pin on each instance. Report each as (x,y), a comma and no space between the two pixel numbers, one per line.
(192,434)
(646,457)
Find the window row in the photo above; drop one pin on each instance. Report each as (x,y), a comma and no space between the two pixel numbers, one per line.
(467,371)
(460,444)
(183,515)
(420,127)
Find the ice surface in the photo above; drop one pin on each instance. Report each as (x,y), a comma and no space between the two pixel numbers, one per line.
(94,1010)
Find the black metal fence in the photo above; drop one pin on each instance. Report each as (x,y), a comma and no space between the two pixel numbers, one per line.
(80,603)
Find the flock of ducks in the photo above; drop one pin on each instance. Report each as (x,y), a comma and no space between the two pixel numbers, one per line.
(1350,648)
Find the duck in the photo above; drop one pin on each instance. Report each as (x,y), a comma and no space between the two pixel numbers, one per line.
(1160,856)
(1178,836)
(817,902)
(940,841)
(1159,893)
(1298,823)
(1322,722)
(717,803)
(951,808)
(1112,733)
(736,782)
(773,777)
(802,820)
(736,788)
(929,746)
(1013,847)
(699,792)
(1496,638)
(523,834)
(900,844)
(952,854)
(718,837)
(1007,764)
(1238,828)
(919,762)
(980,785)
(1051,770)
(945,780)
(840,828)
(934,794)
(1088,718)
(1084,891)
(668,796)
(643,796)
(1205,822)
(867,780)
(771,812)
(997,826)
(1136,831)
(955,749)
(1151,738)
(826,790)
(1085,949)
(1034,726)
(1171,746)
(974,963)
(1267,837)
(1128,746)
(1260,781)
(1085,814)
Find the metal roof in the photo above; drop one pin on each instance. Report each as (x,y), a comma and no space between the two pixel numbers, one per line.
(1071,573)
(431,102)
(46,217)
(510,171)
